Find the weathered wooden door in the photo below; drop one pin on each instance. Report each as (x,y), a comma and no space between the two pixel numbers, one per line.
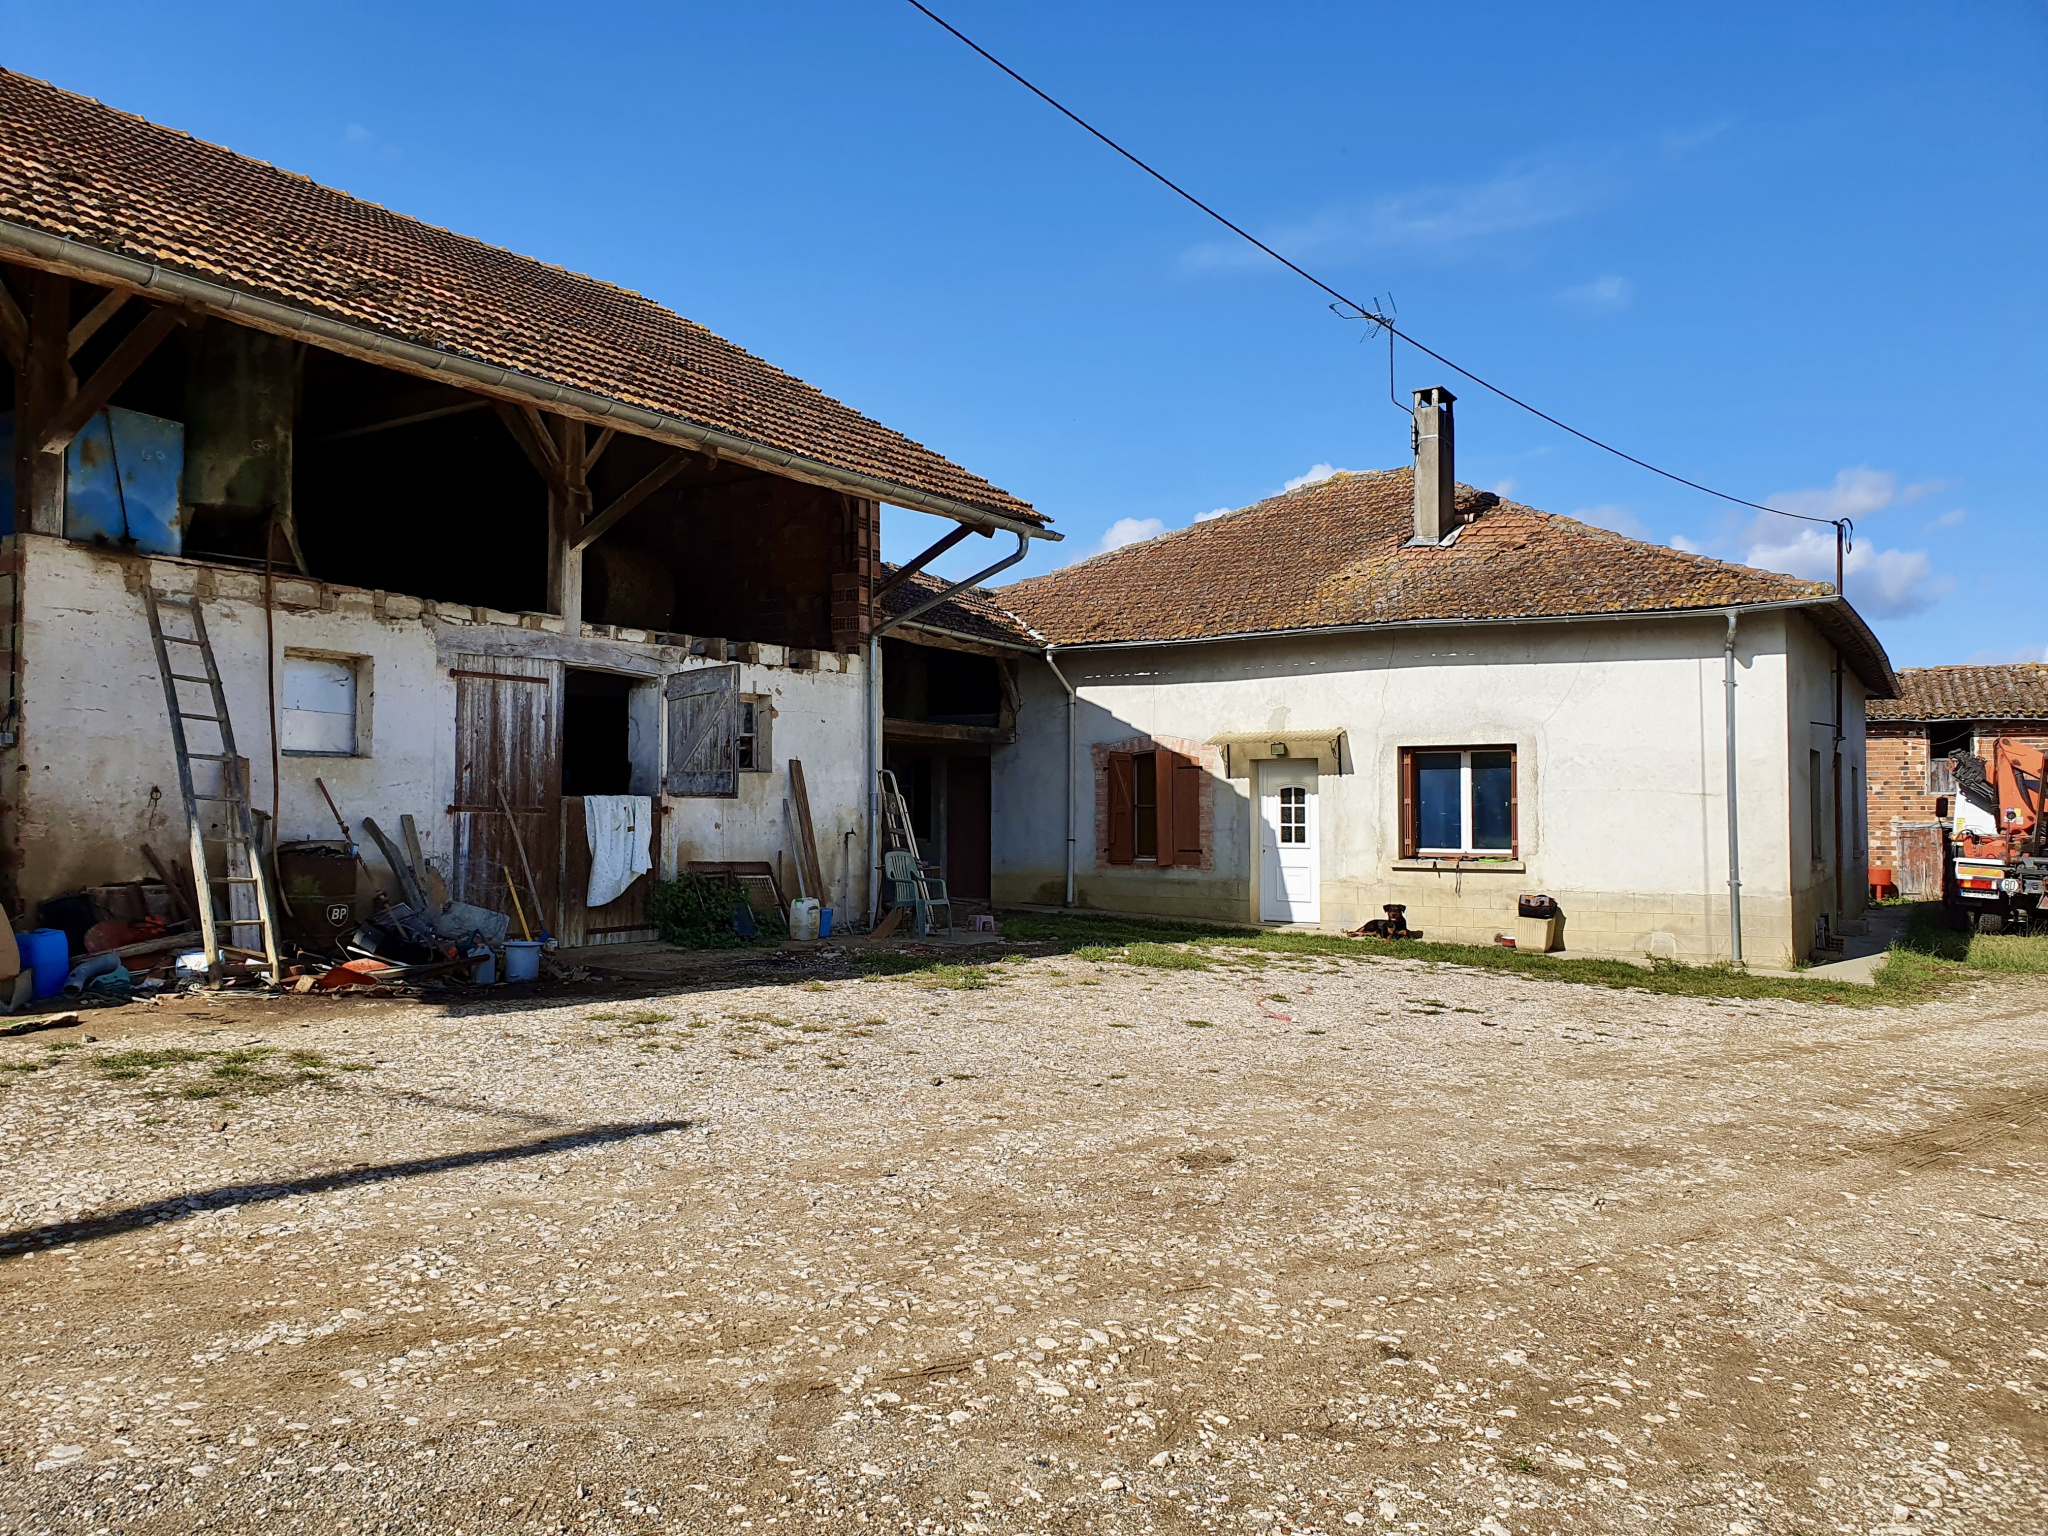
(507,754)
(1919,872)
(621,921)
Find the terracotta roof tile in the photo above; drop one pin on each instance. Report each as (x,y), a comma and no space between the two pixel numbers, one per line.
(974,614)
(74,168)
(2018,691)
(1333,553)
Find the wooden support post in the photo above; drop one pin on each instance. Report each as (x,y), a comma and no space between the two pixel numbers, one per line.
(568,511)
(44,387)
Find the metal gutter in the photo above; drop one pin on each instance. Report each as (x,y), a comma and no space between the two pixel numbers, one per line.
(95,264)
(1023,548)
(1808,604)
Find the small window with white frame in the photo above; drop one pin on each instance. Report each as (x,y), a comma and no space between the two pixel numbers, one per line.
(1459,802)
(756,710)
(324,705)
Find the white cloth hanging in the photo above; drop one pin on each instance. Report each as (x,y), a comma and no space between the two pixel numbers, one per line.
(617,827)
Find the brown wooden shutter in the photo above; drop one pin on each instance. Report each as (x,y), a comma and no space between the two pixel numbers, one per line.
(1407,802)
(1185,839)
(703,732)
(1123,842)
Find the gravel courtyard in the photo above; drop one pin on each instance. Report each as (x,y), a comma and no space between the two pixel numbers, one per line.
(1279,1245)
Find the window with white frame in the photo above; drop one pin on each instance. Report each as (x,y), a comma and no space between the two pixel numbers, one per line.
(1458,802)
(322,703)
(755,713)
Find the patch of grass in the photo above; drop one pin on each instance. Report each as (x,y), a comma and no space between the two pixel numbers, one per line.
(1907,977)
(1928,933)
(1200,1024)
(122,1065)
(647,1018)
(960,978)
(42,1065)
(815,986)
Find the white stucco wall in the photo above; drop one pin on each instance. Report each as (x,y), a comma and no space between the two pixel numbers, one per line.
(1618,729)
(93,774)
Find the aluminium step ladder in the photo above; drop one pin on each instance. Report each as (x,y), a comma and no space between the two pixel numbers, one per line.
(916,884)
(251,909)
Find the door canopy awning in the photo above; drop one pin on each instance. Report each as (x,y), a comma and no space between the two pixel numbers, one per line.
(1242,748)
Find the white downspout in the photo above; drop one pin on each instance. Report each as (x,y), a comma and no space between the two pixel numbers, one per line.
(1734,841)
(1072,701)
(873,754)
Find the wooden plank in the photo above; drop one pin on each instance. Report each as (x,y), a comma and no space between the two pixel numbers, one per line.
(891,921)
(604,441)
(916,566)
(94,393)
(13,327)
(806,835)
(410,418)
(539,450)
(40,393)
(94,318)
(483,642)
(645,487)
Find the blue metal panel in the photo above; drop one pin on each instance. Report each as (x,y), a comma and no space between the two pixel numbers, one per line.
(121,482)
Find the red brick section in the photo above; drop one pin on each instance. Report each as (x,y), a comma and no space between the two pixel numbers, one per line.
(2013,692)
(1333,553)
(1210,760)
(1897,758)
(74,168)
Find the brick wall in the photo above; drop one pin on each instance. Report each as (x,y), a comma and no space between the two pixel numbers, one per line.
(1211,761)
(1897,757)
(1899,760)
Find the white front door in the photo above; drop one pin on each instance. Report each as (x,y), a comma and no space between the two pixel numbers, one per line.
(1289,874)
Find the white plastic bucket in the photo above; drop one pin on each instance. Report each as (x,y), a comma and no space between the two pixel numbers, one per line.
(522,959)
(803,917)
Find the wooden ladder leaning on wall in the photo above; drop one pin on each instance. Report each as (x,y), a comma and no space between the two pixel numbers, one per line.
(250,901)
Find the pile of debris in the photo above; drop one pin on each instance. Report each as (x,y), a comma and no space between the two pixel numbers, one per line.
(340,927)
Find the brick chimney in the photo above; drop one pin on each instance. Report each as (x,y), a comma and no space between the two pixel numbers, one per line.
(1436,490)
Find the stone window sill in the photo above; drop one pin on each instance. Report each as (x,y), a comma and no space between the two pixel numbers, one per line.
(1464,866)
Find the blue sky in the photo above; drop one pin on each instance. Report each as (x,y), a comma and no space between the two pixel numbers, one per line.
(1794,251)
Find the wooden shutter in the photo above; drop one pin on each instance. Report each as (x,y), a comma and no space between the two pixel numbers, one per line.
(703,732)
(1180,810)
(1407,802)
(1123,842)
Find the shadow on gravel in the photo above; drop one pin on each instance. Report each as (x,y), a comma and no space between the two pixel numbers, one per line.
(177,1207)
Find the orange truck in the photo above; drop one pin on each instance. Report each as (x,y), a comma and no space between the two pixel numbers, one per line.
(1998,839)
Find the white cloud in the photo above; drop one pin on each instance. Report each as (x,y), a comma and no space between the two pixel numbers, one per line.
(1855,493)
(1993,658)
(1948,519)
(1615,519)
(1210,517)
(1524,196)
(1131,530)
(1882,583)
(356,133)
(1315,474)
(1687,546)
(1609,293)
(1505,487)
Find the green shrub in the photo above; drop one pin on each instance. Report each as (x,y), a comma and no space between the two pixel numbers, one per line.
(695,912)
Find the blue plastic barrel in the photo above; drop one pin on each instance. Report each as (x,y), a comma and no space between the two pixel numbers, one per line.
(46,952)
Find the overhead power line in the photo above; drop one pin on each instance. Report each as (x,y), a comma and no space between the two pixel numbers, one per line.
(1364,311)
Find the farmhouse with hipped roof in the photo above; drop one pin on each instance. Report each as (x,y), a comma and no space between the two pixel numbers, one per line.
(1391,688)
